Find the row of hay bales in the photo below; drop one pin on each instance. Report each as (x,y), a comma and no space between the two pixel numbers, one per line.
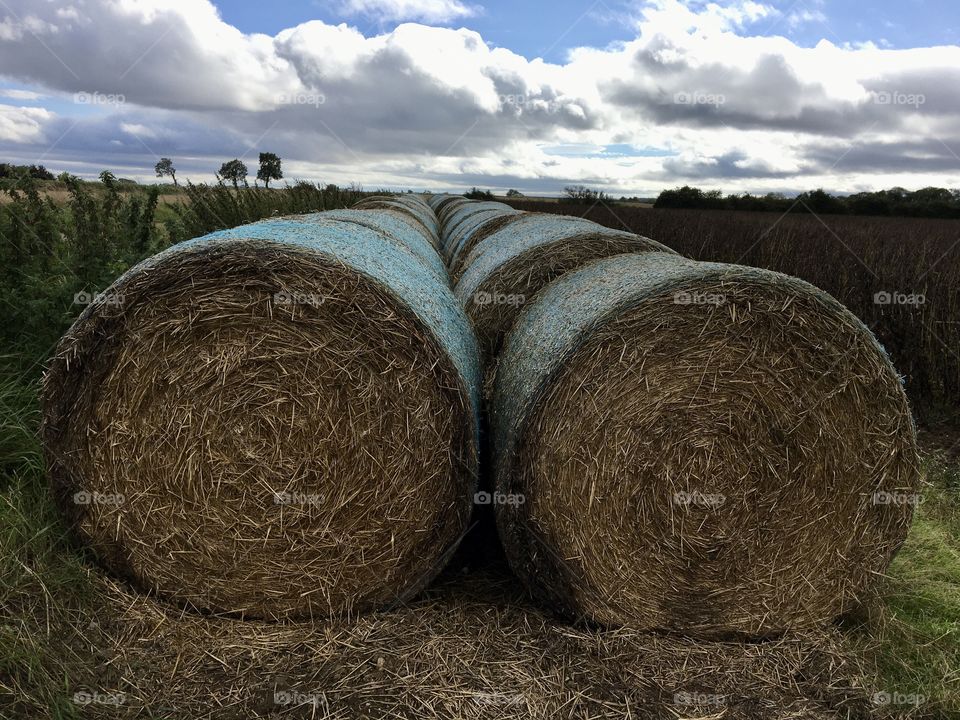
(277,420)
(703,447)
(283,420)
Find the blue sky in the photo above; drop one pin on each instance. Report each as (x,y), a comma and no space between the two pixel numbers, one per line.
(737,95)
(549,30)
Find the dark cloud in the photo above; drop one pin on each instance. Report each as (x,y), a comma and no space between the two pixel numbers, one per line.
(929,155)
(732,165)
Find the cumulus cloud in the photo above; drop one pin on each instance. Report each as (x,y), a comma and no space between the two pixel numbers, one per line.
(420,104)
(23,124)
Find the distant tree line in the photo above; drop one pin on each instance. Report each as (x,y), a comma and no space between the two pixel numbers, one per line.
(929,202)
(36,172)
(233,171)
(585,196)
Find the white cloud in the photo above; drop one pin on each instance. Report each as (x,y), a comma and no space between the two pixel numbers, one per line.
(138,130)
(17,94)
(429,11)
(805,16)
(427,105)
(23,124)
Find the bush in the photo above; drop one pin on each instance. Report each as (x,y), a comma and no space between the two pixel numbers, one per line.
(215,207)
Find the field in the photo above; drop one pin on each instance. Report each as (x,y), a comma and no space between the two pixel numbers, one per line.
(65,629)
(901,276)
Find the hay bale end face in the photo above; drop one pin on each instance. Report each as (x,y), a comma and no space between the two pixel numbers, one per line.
(709,448)
(277,420)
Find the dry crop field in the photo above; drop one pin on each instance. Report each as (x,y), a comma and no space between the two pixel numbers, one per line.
(901,276)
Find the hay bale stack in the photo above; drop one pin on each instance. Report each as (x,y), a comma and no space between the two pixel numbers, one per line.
(459,212)
(277,420)
(471,224)
(438,200)
(440,206)
(507,268)
(413,207)
(450,206)
(395,227)
(696,446)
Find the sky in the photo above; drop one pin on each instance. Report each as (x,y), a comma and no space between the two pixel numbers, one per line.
(625,97)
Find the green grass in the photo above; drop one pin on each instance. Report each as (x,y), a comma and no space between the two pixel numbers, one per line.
(911,638)
(42,582)
(43,585)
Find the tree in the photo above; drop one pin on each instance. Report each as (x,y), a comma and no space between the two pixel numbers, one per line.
(37,172)
(235,172)
(514,193)
(820,202)
(108,178)
(269,168)
(477,194)
(583,194)
(165,167)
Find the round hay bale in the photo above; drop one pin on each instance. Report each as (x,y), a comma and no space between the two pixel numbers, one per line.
(463,230)
(451,206)
(508,267)
(438,200)
(457,213)
(702,447)
(413,204)
(277,420)
(410,205)
(443,201)
(396,227)
(480,232)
